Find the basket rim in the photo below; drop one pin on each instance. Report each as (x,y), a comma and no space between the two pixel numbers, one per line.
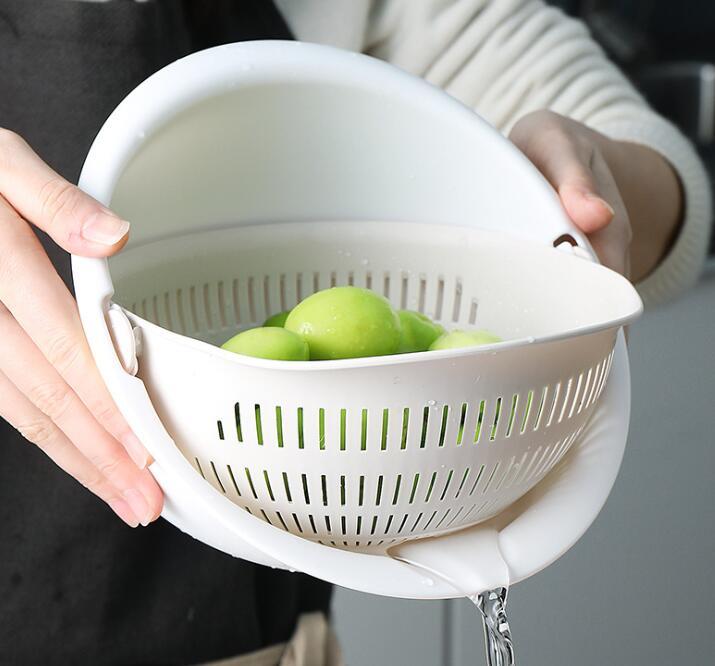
(630,315)
(368,361)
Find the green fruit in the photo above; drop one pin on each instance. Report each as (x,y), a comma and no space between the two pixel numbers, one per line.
(456,339)
(346,322)
(269,342)
(418,331)
(278,320)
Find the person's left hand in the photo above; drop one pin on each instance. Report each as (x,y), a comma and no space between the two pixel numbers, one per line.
(572,158)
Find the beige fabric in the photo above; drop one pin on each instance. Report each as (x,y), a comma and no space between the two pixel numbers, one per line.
(313,644)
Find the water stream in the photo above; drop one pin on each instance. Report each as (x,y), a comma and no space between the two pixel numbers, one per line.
(497,635)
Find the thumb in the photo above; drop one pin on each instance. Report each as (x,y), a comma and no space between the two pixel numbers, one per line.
(589,211)
(566,164)
(574,181)
(74,220)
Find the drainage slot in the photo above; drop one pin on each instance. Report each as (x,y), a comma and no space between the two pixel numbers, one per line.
(461,484)
(250,482)
(462,421)
(363,431)
(495,425)
(321,429)
(378,495)
(431,486)
(440,299)
(268,485)
(218,478)
(324,486)
(446,485)
(304,479)
(480,420)
(385,421)
(198,466)
(279,426)
(233,480)
(405,425)
(237,414)
(512,412)
(476,481)
(286,485)
(529,399)
(396,495)
(297,523)
(343,428)
(285,527)
(259,426)
(457,301)
(301,440)
(414,488)
(425,421)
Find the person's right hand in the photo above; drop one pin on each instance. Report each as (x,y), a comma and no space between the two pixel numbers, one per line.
(50,388)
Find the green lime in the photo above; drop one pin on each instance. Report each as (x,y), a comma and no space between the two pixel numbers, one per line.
(277,320)
(269,342)
(346,322)
(456,339)
(418,331)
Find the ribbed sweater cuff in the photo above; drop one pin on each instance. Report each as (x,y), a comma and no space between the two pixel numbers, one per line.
(683,263)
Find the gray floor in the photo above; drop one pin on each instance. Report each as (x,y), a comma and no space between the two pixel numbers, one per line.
(638,588)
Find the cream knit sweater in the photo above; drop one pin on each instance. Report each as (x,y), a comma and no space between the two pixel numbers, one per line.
(505,58)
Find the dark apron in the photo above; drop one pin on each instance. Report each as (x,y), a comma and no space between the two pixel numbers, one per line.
(76,585)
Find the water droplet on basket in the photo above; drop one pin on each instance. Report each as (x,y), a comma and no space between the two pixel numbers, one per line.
(428,581)
(348,253)
(364,262)
(431,403)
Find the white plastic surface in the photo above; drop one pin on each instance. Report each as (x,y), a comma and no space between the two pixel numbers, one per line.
(268,132)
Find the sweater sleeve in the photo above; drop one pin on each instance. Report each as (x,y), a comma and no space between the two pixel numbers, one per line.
(506,58)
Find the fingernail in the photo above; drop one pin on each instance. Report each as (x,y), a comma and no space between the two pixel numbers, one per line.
(139,506)
(104,228)
(122,509)
(136,450)
(603,202)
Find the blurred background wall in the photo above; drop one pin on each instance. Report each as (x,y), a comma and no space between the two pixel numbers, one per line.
(638,589)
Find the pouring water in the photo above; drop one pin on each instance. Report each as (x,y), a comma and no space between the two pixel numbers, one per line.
(497,635)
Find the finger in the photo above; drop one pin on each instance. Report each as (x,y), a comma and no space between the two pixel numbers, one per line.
(50,394)
(73,219)
(51,320)
(34,426)
(612,244)
(566,163)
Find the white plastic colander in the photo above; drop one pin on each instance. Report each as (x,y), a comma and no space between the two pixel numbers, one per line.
(256,174)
